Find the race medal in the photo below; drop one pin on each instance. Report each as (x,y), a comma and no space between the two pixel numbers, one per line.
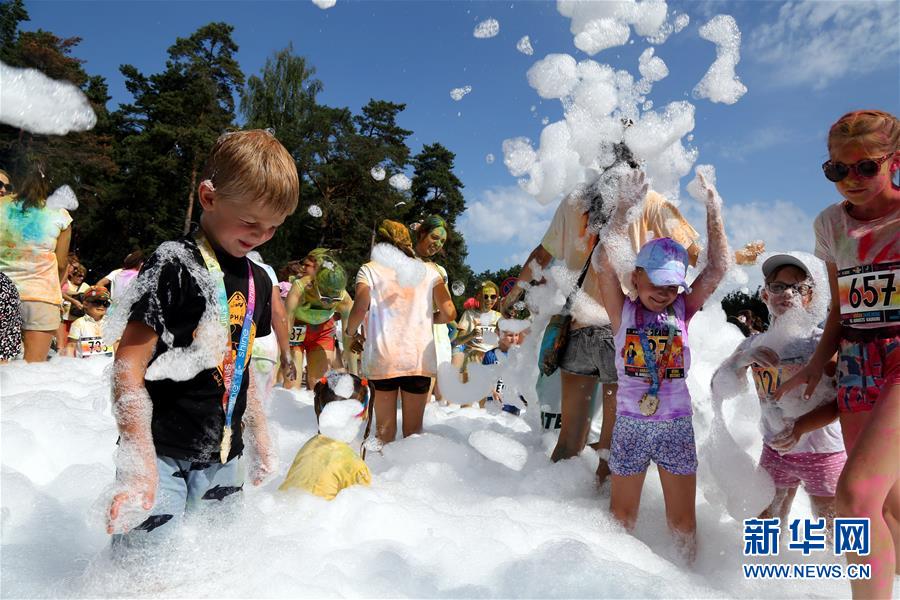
(225,448)
(648,404)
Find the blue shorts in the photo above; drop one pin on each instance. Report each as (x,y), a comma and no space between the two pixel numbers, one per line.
(670,444)
(184,487)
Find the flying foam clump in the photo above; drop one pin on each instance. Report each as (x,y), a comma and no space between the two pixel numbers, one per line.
(378,173)
(601,25)
(400,182)
(63,197)
(324,4)
(487,29)
(721,84)
(458,93)
(524,46)
(32,101)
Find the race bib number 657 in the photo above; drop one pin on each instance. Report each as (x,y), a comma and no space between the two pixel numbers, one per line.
(869,294)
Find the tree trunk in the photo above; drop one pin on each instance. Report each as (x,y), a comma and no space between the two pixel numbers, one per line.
(190,206)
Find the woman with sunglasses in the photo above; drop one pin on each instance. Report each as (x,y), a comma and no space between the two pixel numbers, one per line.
(6,186)
(478,328)
(86,333)
(34,249)
(859,240)
(431,235)
(313,304)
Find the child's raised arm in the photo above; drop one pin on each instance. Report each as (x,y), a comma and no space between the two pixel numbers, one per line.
(718,254)
(631,193)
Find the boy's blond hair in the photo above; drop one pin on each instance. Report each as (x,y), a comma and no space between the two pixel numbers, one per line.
(253,166)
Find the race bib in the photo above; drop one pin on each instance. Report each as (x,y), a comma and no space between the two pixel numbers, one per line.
(769,379)
(869,294)
(92,346)
(298,334)
(633,353)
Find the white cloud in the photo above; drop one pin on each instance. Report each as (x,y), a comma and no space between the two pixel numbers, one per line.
(506,215)
(780,224)
(812,43)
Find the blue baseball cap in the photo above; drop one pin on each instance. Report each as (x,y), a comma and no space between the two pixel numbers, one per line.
(665,262)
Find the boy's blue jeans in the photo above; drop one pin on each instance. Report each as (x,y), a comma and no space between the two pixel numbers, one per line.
(184,487)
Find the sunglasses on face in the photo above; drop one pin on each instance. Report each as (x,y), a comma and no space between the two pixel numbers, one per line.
(6,187)
(103,303)
(778,288)
(489,296)
(867,168)
(328,299)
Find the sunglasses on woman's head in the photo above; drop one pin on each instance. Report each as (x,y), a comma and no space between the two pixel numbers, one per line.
(867,168)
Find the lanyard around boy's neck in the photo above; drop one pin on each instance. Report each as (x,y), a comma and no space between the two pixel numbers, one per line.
(232,367)
(657,370)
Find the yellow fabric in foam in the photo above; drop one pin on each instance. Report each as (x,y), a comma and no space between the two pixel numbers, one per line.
(324,467)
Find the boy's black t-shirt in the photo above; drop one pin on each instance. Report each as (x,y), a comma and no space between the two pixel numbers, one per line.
(188,417)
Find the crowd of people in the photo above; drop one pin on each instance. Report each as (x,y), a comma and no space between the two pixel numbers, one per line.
(829,396)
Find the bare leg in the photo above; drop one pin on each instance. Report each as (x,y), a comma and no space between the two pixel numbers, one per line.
(869,486)
(679,492)
(386,416)
(576,414)
(781,505)
(37,344)
(413,406)
(317,361)
(606,428)
(625,498)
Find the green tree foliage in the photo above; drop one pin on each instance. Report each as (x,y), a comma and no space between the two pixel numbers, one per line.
(137,173)
(737,301)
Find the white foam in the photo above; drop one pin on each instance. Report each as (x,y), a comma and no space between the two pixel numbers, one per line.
(339,421)
(324,4)
(720,83)
(458,93)
(314,210)
(489,159)
(653,68)
(513,325)
(32,101)
(500,449)
(487,29)
(553,76)
(63,197)
(410,271)
(341,384)
(458,288)
(378,173)
(518,155)
(400,182)
(524,46)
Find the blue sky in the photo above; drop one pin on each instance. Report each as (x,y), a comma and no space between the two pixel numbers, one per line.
(804,64)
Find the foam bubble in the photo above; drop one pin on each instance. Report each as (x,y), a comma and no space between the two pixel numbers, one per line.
(63,197)
(601,34)
(554,76)
(378,173)
(652,67)
(410,271)
(487,29)
(324,4)
(720,83)
(518,155)
(339,422)
(458,288)
(315,210)
(513,325)
(524,46)
(489,159)
(500,449)
(32,101)
(458,93)
(400,182)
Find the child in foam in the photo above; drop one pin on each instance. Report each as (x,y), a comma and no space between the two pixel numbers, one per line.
(858,240)
(801,439)
(511,334)
(86,334)
(314,303)
(327,464)
(653,404)
(199,305)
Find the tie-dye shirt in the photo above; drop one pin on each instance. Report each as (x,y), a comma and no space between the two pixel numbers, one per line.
(867,257)
(28,249)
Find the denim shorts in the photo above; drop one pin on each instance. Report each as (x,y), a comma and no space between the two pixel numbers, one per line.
(668,443)
(591,351)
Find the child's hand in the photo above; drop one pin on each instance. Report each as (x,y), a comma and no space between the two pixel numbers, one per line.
(787,439)
(808,375)
(762,355)
(129,508)
(712,195)
(632,190)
